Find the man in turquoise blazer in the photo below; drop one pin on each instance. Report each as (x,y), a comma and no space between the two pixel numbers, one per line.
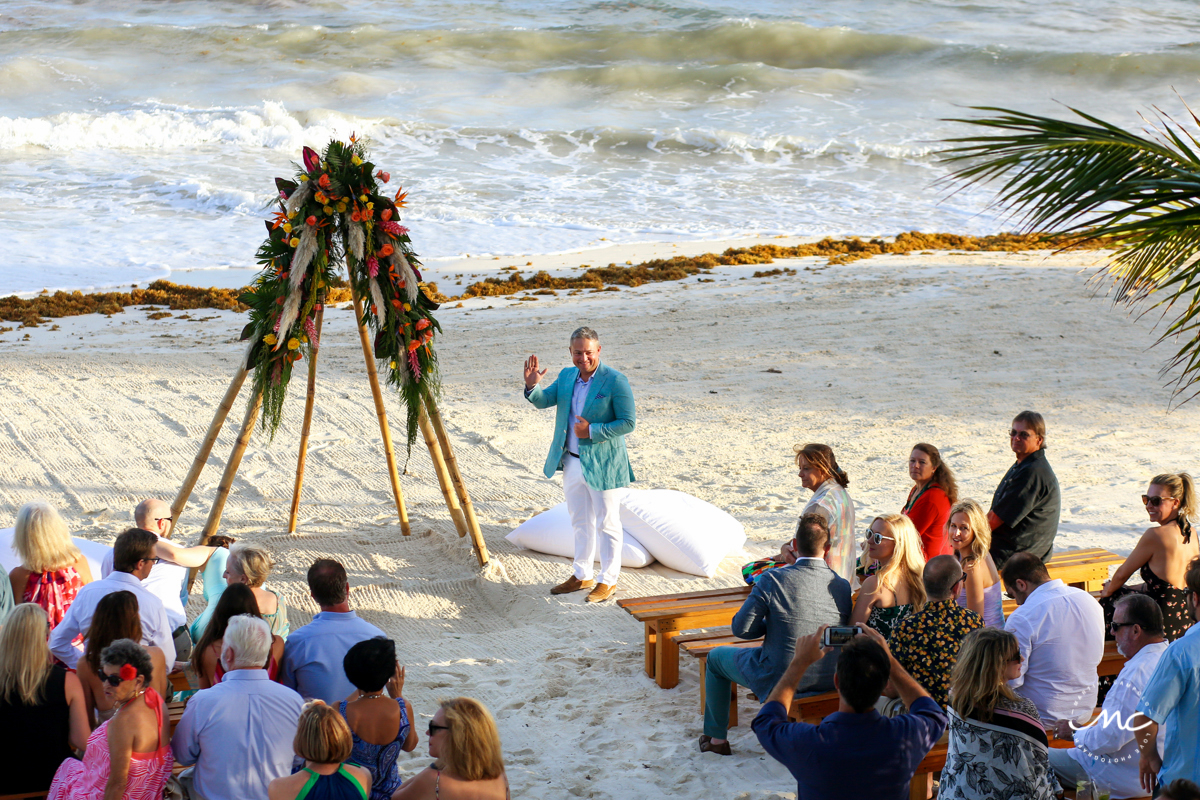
(594,412)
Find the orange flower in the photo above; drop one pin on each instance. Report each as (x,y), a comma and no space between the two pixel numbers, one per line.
(413,345)
(311,220)
(397,303)
(386,214)
(386,250)
(400,195)
(422,324)
(323,181)
(356,216)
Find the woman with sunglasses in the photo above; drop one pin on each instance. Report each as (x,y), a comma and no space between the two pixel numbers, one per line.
(466,745)
(380,722)
(896,589)
(968,532)
(41,704)
(997,743)
(325,743)
(129,756)
(1162,554)
(116,617)
(928,505)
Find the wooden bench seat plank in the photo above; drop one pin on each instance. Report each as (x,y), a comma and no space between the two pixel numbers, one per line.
(629,602)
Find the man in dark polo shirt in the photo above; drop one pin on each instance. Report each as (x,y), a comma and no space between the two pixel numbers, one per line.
(1025,507)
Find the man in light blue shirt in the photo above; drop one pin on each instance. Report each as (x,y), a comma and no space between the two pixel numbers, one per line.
(312,657)
(1172,700)
(239,732)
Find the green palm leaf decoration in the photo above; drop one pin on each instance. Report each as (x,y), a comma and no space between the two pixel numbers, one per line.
(1093,180)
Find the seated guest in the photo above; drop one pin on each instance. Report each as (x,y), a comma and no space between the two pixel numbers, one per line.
(997,744)
(129,756)
(1162,554)
(116,618)
(785,604)
(6,600)
(926,643)
(41,705)
(168,577)
(1181,789)
(1060,630)
(856,746)
(464,740)
(133,558)
(969,534)
(251,565)
(212,576)
(324,742)
(236,600)
(1106,750)
(1026,504)
(896,589)
(312,659)
(52,569)
(1171,700)
(821,475)
(381,724)
(928,505)
(236,733)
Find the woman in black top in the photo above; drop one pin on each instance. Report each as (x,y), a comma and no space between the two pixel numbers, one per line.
(41,706)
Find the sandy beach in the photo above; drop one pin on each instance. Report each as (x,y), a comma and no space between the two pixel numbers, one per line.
(729,371)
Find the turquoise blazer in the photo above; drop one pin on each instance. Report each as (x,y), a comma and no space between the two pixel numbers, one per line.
(609,409)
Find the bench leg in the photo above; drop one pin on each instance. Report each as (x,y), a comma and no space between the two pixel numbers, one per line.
(733,720)
(651,637)
(921,786)
(703,682)
(666,665)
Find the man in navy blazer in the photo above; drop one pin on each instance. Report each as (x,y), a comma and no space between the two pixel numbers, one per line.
(594,412)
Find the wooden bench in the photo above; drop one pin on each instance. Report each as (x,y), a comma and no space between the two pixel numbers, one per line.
(666,617)
(175,713)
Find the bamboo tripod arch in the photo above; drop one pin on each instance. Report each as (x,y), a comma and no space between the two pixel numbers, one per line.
(433,430)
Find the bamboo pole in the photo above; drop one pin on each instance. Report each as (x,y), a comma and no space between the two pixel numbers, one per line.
(231,468)
(380,412)
(456,478)
(309,398)
(443,475)
(206,446)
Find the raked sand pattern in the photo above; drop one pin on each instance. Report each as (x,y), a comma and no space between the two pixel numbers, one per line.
(873,357)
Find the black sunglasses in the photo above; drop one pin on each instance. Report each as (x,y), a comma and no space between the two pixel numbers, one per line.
(1022,435)
(1154,502)
(433,728)
(111,680)
(1116,626)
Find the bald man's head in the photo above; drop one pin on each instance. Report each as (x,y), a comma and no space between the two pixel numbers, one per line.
(153,515)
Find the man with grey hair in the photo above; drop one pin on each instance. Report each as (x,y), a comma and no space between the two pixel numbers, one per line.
(594,413)
(238,733)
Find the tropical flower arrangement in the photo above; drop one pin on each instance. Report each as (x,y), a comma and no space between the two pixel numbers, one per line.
(335,211)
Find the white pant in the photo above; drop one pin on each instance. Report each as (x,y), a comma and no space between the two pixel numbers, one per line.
(594,515)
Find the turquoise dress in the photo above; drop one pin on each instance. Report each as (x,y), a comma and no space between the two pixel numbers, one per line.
(214,583)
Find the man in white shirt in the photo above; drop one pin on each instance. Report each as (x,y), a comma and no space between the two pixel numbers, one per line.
(239,732)
(133,558)
(1060,630)
(1106,750)
(166,579)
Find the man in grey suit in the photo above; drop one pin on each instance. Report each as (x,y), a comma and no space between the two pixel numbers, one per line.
(594,413)
(786,604)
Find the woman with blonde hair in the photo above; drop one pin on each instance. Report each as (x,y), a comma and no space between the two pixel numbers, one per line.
(896,589)
(324,741)
(469,766)
(52,569)
(1161,555)
(41,704)
(969,534)
(251,566)
(997,742)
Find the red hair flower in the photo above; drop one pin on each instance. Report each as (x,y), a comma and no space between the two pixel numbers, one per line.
(128,672)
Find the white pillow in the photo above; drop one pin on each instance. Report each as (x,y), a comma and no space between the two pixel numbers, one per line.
(683,532)
(550,532)
(94,552)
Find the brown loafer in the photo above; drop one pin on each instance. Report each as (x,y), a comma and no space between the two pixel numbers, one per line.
(706,746)
(572,584)
(603,591)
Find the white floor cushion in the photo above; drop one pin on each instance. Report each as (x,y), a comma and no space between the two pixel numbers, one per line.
(683,532)
(550,532)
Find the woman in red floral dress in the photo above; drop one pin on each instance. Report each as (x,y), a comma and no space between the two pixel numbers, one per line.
(52,569)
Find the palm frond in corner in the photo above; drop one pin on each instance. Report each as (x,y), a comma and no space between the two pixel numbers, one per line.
(1091,179)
